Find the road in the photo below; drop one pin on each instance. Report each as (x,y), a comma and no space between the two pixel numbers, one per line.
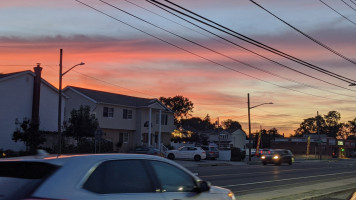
(245,180)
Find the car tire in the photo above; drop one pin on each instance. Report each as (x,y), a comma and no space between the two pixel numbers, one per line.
(171,156)
(197,158)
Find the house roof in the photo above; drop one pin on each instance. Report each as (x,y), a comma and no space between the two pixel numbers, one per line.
(113,98)
(14,73)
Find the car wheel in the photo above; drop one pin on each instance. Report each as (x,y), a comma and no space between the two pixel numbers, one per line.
(171,156)
(197,158)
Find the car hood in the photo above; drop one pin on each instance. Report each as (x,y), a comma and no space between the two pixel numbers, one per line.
(218,190)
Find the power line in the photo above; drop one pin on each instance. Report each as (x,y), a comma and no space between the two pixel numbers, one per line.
(254,42)
(349,5)
(338,12)
(202,46)
(306,35)
(204,58)
(264,57)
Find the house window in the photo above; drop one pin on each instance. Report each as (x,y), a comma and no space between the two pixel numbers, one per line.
(108,112)
(164,119)
(127,114)
(123,138)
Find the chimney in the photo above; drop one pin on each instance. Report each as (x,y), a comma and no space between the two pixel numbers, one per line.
(36,94)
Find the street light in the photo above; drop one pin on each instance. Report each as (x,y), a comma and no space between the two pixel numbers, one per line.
(60,100)
(249,123)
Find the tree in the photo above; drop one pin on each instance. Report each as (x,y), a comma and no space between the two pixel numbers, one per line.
(181,106)
(332,125)
(230,124)
(29,133)
(309,126)
(81,123)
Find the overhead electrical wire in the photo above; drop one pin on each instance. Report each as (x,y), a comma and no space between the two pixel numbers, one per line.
(338,12)
(353,2)
(254,42)
(349,5)
(214,51)
(271,60)
(197,55)
(306,35)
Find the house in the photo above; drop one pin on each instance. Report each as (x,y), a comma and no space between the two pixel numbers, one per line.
(26,95)
(126,121)
(229,138)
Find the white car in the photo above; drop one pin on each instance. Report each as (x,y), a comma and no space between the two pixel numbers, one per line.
(196,153)
(105,176)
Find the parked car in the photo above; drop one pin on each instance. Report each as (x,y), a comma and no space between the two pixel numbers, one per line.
(277,157)
(147,150)
(211,152)
(196,153)
(105,176)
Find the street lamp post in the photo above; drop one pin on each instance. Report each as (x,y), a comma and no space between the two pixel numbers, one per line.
(60,100)
(249,123)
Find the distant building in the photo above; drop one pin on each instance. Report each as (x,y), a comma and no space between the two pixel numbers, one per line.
(329,146)
(26,95)
(126,121)
(225,139)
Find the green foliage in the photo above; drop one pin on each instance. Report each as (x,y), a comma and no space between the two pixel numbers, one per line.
(87,145)
(230,124)
(29,133)
(81,123)
(197,123)
(181,106)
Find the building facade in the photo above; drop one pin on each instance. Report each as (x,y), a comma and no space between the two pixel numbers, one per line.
(124,120)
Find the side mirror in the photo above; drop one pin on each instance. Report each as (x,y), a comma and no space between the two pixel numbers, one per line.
(203,186)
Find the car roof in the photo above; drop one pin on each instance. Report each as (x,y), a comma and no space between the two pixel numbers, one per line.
(62,159)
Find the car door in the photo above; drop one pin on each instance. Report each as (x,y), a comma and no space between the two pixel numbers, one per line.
(124,180)
(183,152)
(177,184)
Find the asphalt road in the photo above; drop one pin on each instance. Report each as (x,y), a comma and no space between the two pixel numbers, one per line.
(251,179)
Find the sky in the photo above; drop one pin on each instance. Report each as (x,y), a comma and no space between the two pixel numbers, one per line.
(169,56)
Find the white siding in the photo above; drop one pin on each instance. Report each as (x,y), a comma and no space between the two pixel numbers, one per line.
(16,103)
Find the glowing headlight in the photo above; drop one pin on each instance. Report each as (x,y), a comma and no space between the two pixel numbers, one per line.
(276,157)
(231,195)
(263,157)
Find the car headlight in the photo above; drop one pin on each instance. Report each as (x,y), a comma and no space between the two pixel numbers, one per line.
(231,196)
(263,157)
(276,157)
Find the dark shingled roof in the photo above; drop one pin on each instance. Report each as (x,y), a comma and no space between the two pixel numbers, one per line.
(10,74)
(112,98)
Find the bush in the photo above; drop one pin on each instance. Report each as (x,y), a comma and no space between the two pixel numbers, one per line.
(237,154)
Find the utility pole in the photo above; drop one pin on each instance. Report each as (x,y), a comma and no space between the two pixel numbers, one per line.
(249,127)
(60,104)
(319,137)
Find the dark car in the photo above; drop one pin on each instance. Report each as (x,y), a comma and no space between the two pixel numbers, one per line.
(147,150)
(277,157)
(211,152)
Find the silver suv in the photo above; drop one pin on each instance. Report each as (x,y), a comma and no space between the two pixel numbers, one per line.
(211,152)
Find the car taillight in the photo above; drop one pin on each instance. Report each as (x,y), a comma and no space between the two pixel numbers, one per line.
(203,152)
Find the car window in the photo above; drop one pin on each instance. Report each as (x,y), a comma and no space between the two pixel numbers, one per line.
(119,176)
(205,148)
(19,179)
(173,179)
(183,148)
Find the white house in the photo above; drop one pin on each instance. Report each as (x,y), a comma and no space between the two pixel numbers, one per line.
(26,95)
(125,120)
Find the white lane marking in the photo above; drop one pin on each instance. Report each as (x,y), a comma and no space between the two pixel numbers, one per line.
(288,179)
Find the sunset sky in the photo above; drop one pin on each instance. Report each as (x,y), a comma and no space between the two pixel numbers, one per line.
(138,59)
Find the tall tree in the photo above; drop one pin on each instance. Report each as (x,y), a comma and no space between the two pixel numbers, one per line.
(181,106)
(332,124)
(230,124)
(81,123)
(29,133)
